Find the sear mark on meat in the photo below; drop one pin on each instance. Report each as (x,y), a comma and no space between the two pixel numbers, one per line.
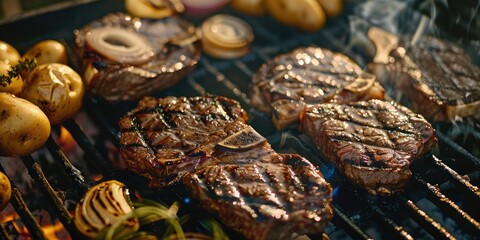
(309,75)
(163,138)
(433,77)
(371,142)
(252,189)
(263,194)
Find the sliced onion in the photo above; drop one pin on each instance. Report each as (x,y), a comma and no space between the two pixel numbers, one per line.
(120,45)
(102,206)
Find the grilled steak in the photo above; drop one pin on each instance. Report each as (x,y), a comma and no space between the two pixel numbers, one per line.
(168,52)
(260,193)
(432,77)
(371,142)
(309,76)
(228,167)
(161,139)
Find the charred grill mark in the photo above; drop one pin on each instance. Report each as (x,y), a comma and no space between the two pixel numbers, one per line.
(138,127)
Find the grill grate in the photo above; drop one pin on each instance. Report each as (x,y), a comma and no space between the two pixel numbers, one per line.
(358,215)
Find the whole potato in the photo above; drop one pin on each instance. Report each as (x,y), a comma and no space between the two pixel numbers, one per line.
(47,51)
(55,88)
(306,15)
(15,86)
(5,191)
(251,7)
(8,53)
(24,128)
(332,8)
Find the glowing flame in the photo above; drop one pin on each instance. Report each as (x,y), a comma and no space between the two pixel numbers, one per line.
(66,141)
(55,230)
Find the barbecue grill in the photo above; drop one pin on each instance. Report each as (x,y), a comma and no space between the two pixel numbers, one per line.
(440,201)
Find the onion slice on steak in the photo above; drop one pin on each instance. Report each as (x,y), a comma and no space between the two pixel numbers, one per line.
(103,205)
(120,45)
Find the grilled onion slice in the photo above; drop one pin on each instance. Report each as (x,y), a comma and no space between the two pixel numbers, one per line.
(103,205)
(120,45)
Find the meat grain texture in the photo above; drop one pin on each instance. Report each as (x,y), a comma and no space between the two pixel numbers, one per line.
(226,166)
(175,55)
(373,143)
(432,77)
(311,75)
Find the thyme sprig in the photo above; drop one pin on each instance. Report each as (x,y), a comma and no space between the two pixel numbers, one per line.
(15,71)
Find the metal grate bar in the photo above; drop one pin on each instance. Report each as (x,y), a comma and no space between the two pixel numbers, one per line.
(35,171)
(469,189)
(458,149)
(27,218)
(71,171)
(93,156)
(21,208)
(398,232)
(434,228)
(447,205)
(3,232)
(341,220)
(95,112)
(220,77)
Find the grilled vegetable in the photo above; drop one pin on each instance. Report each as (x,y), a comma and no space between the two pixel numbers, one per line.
(57,89)
(102,206)
(24,128)
(47,51)
(251,7)
(5,191)
(15,86)
(306,15)
(332,8)
(8,53)
(153,9)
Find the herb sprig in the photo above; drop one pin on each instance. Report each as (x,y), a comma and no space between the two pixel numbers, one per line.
(22,66)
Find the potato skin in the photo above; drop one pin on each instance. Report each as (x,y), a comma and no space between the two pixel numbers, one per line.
(8,54)
(5,191)
(16,85)
(306,15)
(24,128)
(57,89)
(47,51)
(250,7)
(332,8)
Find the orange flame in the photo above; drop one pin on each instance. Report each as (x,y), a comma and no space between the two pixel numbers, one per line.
(66,141)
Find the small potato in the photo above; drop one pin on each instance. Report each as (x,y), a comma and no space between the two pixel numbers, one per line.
(55,88)
(306,15)
(250,7)
(24,128)
(47,51)
(5,191)
(145,9)
(16,85)
(8,54)
(332,8)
